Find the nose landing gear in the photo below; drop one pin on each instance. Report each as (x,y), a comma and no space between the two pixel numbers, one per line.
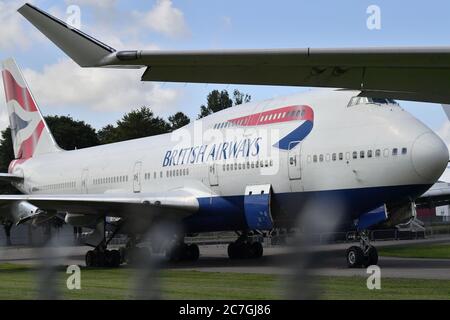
(363,256)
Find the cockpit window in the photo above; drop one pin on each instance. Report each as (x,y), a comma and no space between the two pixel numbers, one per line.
(367,100)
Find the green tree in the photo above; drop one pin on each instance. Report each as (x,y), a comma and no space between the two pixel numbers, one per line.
(178,120)
(71,134)
(240,98)
(135,124)
(108,134)
(220,100)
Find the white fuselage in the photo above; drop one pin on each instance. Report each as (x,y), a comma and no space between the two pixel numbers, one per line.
(368,151)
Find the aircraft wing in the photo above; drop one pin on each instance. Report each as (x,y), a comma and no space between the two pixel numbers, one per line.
(177,202)
(420,74)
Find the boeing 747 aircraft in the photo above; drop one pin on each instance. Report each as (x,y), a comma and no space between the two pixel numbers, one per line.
(245,169)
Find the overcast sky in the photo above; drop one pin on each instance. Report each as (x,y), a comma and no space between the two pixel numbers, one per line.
(101,96)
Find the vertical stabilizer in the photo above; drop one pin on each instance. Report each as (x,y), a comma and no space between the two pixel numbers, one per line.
(29,132)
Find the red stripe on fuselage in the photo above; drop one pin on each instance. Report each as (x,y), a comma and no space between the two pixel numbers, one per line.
(13,91)
(279,115)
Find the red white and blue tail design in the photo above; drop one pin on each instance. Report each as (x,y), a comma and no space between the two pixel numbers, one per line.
(29,132)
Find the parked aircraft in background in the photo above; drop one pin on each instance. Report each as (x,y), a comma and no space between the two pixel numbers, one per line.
(248,168)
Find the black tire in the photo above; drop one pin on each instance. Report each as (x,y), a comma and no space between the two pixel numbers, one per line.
(245,251)
(146,254)
(355,257)
(89,259)
(107,259)
(178,253)
(372,257)
(232,251)
(193,252)
(115,258)
(256,250)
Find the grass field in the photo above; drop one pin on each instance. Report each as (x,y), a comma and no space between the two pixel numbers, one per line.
(430,251)
(19,282)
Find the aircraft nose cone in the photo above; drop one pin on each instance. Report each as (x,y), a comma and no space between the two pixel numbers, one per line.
(429,156)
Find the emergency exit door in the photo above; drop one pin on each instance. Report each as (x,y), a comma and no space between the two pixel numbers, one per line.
(294,160)
(137,177)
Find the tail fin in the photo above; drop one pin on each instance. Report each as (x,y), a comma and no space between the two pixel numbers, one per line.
(29,132)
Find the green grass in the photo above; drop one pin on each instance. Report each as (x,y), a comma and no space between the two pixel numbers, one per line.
(19,282)
(430,251)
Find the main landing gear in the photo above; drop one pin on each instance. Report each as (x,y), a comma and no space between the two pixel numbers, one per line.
(363,256)
(100,256)
(182,251)
(245,247)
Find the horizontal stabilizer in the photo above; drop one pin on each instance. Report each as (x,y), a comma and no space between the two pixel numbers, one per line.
(82,48)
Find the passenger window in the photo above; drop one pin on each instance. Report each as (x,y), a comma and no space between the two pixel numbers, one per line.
(327,157)
(333,156)
(309,159)
(341,156)
(355,155)
(321,158)
(369,154)
(386,153)
(377,153)
(361,154)
(394,151)
(404,151)
(315,158)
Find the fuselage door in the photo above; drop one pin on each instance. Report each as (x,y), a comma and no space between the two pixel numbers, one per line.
(294,163)
(84,181)
(257,207)
(213,174)
(137,177)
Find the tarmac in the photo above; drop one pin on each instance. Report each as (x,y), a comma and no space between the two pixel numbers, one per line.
(327,260)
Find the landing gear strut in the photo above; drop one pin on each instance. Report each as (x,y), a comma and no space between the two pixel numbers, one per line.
(100,256)
(363,256)
(245,248)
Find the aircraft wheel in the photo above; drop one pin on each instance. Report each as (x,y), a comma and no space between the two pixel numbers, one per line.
(355,257)
(179,252)
(232,250)
(90,259)
(256,250)
(372,257)
(115,258)
(193,252)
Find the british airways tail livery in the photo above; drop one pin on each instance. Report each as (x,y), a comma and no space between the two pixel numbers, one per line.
(248,169)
